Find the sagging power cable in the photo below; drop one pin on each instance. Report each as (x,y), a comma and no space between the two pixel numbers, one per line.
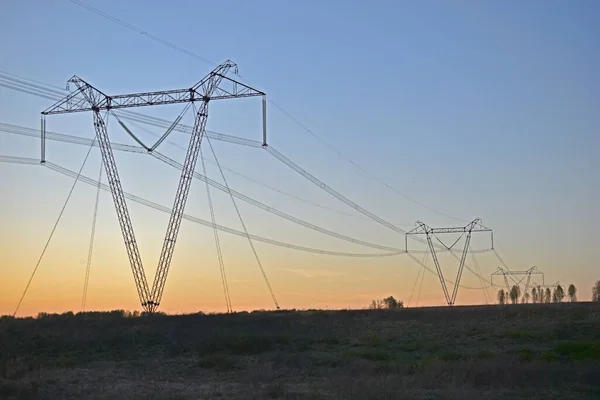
(244,226)
(217,242)
(91,246)
(52,231)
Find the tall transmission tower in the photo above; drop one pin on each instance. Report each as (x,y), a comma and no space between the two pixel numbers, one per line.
(524,275)
(429,232)
(214,86)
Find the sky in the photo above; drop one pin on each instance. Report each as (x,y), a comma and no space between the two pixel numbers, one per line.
(466,109)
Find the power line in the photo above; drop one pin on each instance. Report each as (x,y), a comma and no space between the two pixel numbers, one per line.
(91,248)
(129,148)
(421,270)
(217,242)
(277,106)
(355,164)
(129,115)
(141,31)
(420,288)
(52,232)
(142,118)
(244,227)
(148,203)
(175,164)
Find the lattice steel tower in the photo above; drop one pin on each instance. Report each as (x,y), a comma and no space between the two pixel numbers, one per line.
(214,86)
(429,232)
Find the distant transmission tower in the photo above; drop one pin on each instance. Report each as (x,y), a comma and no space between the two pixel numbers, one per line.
(214,86)
(525,274)
(429,232)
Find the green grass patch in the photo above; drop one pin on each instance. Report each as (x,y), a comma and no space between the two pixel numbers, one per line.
(577,350)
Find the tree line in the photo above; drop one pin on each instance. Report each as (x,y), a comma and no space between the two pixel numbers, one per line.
(541,294)
(538,294)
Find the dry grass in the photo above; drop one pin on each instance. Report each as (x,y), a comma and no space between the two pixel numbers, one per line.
(496,352)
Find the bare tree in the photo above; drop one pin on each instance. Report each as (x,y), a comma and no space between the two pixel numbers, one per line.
(596,291)
(534,295)
(515,293)
(376,305)
(547,295)
(526,297)
(572,291)
(501,297)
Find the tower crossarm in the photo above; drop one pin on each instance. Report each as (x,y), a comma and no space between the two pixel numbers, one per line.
(81,100)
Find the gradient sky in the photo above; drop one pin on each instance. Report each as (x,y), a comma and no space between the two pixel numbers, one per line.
(474,109)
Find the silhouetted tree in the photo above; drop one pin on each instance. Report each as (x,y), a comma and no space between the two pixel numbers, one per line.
(391,302)
(547,295)
(501,297)
(596,292)
(515,293)
(388,302)
(526,297)
(534,295)
(572,291)
(376,305)
(558,295)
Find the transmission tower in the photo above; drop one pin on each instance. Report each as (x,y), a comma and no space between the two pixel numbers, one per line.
(524,275)
(429,232)
(214,86)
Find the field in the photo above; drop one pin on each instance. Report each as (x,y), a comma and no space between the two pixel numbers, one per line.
(544,351)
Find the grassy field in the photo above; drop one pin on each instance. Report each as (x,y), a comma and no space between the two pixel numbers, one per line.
(545,351)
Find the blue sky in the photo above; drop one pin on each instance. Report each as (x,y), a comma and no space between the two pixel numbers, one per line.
(476,109)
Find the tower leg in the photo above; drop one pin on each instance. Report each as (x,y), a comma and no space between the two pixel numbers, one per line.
(122,213)
(183,190)
(439,270)
(460,267)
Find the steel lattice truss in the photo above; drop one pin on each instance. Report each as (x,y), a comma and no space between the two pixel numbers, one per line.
(524,274)
(429,232)
(214,86)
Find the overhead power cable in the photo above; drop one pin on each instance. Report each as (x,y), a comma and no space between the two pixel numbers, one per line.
(91,247)
(159,207)
(501,260)
(330,190)
(187,129)
(483,286)
(141,31)
(421,270)
(52,232)
(175,164)
(135,149)
(271,101)
(272,210)
(19,160)
(217,242)
(20,130)
(448,281)
(420,288)
(244,227)
(355,164)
